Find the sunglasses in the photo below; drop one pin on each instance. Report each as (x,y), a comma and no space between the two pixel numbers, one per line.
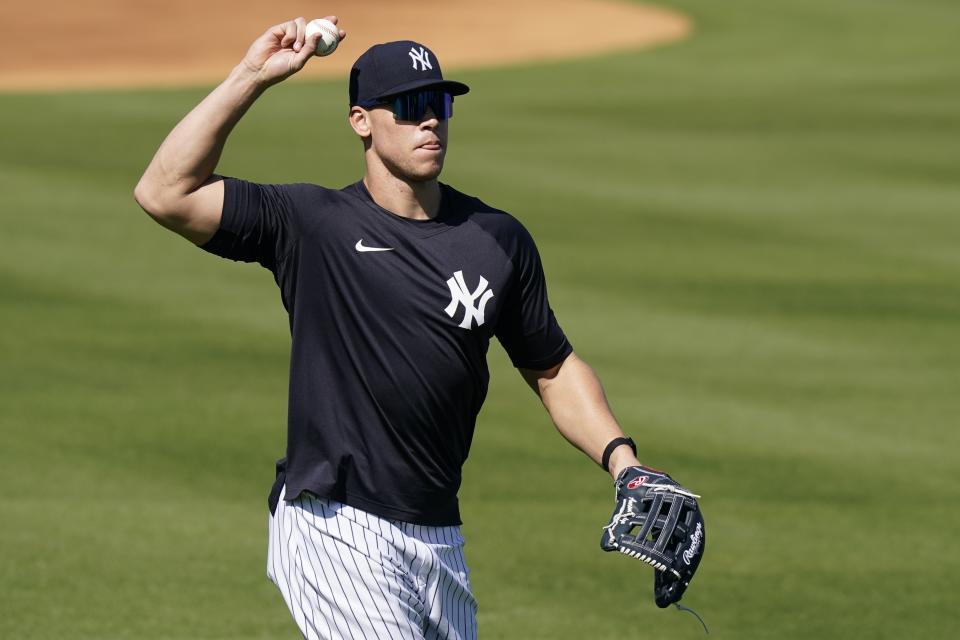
(413,105)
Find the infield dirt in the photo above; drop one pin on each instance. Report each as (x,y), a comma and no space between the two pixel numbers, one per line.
(113,43)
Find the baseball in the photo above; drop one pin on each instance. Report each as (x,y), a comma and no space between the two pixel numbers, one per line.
(329,36)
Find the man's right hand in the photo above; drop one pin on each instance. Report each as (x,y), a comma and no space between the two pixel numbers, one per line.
(282,51)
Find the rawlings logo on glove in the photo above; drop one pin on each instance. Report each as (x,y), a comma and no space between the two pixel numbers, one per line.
(695,541)
(659,522)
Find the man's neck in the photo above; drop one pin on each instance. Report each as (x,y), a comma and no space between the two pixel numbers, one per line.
(415,200)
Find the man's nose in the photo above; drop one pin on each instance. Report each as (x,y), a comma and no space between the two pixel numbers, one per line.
(429,117)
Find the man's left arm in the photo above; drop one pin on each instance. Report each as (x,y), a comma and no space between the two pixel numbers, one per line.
(655,519)
(573,396)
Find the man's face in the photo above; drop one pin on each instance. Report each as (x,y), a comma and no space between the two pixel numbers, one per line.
(411,150)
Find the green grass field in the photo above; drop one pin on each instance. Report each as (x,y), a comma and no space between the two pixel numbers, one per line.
(752,236)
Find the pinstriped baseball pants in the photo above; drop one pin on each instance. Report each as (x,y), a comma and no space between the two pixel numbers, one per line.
(345,573)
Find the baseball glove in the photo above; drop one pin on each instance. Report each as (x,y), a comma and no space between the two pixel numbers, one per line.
(658,521)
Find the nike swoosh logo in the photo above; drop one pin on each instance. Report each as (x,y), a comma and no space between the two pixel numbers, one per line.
(363,249)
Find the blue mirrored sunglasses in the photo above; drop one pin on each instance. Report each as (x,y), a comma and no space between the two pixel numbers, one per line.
(412,106)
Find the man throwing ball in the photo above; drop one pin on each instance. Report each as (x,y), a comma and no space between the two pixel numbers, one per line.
(394,286)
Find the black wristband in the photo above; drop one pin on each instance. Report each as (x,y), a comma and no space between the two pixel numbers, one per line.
(613,444)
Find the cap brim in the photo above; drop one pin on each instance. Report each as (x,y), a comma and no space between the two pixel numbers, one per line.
(455,88)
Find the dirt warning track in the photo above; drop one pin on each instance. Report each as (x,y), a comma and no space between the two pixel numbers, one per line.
(117,43)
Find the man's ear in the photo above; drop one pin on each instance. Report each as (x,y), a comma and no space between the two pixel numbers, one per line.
(360,121)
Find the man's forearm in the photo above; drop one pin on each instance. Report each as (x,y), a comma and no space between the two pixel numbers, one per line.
(574,398)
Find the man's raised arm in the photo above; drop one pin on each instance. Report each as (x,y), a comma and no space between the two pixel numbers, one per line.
(179,189)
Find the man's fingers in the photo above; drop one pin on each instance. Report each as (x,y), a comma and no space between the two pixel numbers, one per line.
(313,42)
(301,25)
(289,34)
(306,51)
(277,30)
(284,49)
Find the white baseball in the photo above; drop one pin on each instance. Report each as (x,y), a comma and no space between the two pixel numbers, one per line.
(329,36)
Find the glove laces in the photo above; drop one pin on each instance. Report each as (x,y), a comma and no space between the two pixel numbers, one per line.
(672,488)
(697,616)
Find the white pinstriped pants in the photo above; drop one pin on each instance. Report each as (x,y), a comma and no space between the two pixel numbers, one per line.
(345,573)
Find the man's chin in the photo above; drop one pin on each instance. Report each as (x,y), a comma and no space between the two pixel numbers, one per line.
(424,170)
(425,174)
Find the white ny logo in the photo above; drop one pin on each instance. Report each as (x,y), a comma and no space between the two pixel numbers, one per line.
(422,56)
(460,294)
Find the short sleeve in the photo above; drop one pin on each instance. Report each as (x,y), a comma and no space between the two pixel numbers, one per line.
(527,327)
(255,225)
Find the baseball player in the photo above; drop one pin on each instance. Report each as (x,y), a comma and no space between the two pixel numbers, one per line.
(394,287)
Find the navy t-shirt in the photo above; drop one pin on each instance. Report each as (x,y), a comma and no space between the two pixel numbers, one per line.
(390,321)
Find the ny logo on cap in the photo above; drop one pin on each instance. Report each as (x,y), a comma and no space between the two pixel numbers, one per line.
(422,56)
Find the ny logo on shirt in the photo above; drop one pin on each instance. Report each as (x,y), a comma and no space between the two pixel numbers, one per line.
(460,294)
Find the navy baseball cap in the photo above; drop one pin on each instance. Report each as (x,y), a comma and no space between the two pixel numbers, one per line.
(396,67)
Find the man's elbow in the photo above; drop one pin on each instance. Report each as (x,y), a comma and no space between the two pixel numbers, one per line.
(148,197)
(195,216)
(152,200)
